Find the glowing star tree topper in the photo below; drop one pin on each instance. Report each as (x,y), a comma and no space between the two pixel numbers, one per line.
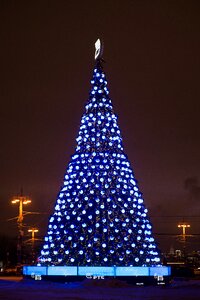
(98,49)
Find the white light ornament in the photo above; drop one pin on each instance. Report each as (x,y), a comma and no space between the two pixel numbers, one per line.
(98,49)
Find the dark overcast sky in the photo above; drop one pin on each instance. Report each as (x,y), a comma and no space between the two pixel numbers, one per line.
(152,54)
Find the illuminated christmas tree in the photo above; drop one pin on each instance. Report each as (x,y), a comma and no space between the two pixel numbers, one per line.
(100,218)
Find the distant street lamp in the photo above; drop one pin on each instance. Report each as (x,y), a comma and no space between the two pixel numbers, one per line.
(33,231)
(183,226)
(20,200)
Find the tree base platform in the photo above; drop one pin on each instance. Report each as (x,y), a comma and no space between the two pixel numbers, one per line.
(137,275)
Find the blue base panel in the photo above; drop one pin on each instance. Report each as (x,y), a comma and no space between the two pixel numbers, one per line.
(95,271)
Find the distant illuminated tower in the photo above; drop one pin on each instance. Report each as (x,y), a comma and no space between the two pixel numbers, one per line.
(100,218)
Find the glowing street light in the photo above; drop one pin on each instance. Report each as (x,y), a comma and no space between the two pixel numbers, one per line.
(183,226)
(20,200)
(33,231)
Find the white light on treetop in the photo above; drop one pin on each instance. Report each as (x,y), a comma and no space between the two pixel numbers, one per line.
(98,49)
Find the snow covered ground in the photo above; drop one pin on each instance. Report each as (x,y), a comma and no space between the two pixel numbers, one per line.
(26,289)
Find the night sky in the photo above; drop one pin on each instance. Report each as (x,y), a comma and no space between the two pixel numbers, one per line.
(152,54)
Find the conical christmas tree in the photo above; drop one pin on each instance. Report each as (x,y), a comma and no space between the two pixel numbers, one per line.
(100,218)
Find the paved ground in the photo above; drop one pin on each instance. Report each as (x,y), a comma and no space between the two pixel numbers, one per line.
(12,288)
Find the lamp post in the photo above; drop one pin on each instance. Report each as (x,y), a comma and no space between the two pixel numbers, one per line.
(184,225)
(33,231)
(21,201)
